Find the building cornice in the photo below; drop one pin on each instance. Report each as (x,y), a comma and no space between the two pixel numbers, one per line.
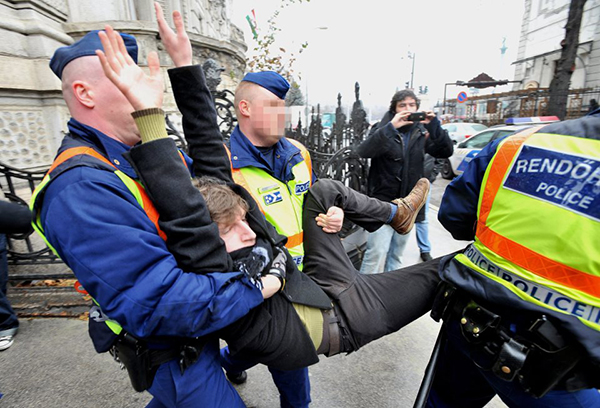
(33,27)
(233,48)
(588,45)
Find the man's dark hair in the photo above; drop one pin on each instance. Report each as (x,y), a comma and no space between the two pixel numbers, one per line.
(402,95)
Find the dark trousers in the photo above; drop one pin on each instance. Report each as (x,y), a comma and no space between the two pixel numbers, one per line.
(372,305)
(8,318)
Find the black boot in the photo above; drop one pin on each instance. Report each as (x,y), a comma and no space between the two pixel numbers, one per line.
(237,378)
(426,256)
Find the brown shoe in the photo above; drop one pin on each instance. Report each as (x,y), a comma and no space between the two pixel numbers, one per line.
(409,206)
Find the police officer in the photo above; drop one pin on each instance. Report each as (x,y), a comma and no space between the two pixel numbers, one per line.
(277,172)
(101,223)
(523,321)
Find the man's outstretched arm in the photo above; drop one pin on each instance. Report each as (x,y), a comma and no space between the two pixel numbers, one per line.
(202,133)
(195,102)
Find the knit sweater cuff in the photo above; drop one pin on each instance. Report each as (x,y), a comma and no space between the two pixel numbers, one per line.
(151,124)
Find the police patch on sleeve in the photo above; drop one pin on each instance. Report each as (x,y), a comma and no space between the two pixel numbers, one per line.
(272,198)
(463,164)
(566,180)
(302,188)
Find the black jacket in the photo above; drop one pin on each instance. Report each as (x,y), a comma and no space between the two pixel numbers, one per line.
(395,170)
(185,220)
(14,218)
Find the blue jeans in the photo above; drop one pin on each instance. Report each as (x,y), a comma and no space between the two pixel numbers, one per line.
(459,383)
(384,251)
(293,386)
(422,229)
(8,318)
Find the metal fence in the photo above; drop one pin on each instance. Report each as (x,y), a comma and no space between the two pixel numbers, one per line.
(24,249)
(333,149)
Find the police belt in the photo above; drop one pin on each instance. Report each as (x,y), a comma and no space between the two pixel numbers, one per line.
(142,362)
(540,358)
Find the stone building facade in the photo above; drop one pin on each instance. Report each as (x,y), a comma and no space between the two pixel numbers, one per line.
(33,115)
(542,30)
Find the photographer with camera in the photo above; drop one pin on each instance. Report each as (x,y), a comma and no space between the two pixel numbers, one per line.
(396,147)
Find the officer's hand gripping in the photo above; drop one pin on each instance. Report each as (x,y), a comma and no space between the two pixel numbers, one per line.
(277,268)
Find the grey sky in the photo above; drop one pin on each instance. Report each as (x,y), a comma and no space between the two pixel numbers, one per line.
(368,42)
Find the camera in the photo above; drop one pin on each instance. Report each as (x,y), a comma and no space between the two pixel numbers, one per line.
(416,117)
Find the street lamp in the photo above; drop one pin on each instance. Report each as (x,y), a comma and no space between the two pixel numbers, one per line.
(412,56)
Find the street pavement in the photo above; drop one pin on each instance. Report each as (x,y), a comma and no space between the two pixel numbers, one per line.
(52,363)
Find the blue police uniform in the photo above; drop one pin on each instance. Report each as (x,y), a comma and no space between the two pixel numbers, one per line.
(459,382)
(100,231)
(244,154)
(294,386)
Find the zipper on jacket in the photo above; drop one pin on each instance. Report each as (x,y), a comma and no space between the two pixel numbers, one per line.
(298,221)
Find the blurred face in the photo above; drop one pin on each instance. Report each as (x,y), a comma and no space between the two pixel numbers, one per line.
(237,234)
(95,101)
(117,110)
(267,117)
(406,104)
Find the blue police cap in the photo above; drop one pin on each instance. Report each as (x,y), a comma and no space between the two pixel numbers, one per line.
(87,46)
(271,81)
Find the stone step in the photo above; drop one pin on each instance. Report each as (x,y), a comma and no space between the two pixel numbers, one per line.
(48,301)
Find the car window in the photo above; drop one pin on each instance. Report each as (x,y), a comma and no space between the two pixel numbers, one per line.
(478,128)
(450,128)
(479,141)
(503,133)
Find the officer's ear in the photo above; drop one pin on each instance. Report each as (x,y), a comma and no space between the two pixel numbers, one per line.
(83,93)
(244,108)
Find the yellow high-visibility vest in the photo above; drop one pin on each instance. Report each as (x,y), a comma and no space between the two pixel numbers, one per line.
(538,223)
(136,189)
(281,203)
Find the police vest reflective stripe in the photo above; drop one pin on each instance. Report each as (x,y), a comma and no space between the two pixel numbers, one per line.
(539,208)
(281,203)
(132,185)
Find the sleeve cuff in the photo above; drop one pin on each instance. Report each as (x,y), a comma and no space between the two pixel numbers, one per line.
(151,124)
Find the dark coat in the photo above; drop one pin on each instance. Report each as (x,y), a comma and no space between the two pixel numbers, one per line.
(395,170)
(210,159)
(14,218)
(185,220)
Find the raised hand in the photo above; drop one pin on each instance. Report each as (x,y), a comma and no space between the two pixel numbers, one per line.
(177,44)
(143,91)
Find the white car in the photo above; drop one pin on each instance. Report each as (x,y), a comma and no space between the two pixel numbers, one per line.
(460,131)
(465,151)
